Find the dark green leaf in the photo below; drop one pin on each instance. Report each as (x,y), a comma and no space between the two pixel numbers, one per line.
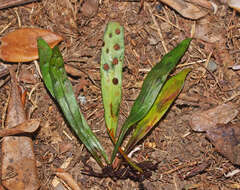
(151,88)
(45,54)
(167,95)
(62,91)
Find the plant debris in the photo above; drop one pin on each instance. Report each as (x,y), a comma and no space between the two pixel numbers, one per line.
(14,50)
(148,35)
(124,173)
(18,161)
(226,140)
(206,120)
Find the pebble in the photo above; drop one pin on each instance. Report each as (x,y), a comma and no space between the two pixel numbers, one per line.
(212,66)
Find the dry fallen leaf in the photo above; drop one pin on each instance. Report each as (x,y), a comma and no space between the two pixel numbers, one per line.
(235,4)
(68,179)
(3,70)
(226,139)
(73,71)
(65,148)
(18,161)
(89,8)
(28,126)
(1,187)
(27,77)
(205,120)
(21,45)
(207,31)
(11,3)
(186,9)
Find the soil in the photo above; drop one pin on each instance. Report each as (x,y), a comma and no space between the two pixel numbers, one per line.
(182,158)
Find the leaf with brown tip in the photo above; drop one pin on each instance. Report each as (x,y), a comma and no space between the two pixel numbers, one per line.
(21,45)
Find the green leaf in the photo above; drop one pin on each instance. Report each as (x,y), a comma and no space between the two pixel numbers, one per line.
(151,88)
(124,155)
(111,80)
(63,93)
(45,54)
(111,74)
(169,92)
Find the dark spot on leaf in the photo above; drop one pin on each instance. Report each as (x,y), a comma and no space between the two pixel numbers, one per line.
(110,35)
(115,81)
(106,67)
(115,61)
(103,44)
(107,50)
(116,47)
(117,31)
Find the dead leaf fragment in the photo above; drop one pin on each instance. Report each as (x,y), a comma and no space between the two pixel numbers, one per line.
(27,77)
(18,162)
(68,179)
(203,3)
(207,31)
(186,9)
(226,139)
(235,4)
(73,71)
(21,45)
(28,126)
(205,120)
(65,148)
(90,8)
(8,3)
(17,154)
(16,114)
(3,70)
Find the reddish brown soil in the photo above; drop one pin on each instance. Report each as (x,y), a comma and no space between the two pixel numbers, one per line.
(172,144)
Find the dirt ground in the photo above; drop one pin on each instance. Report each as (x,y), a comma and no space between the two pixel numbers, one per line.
(172,144)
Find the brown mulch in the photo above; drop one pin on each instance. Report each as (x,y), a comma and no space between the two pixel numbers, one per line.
(185,159)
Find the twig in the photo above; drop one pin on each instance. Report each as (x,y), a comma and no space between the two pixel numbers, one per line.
(6,27)
(180,167)
(34,102)
(4,113)
(10,3)
(158,28)
(191,63)
(3,70)
(2,82)
(169,22)
(68,179)
(232,97)
(232,173)
(18,18)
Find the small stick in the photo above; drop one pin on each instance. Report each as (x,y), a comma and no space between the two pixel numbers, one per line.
(68,179)
(11,3)
(158,28)
(180,167)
